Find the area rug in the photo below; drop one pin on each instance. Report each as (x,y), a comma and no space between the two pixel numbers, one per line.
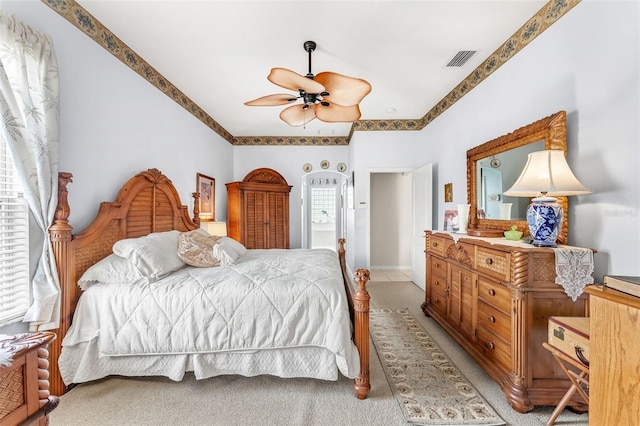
(428,387)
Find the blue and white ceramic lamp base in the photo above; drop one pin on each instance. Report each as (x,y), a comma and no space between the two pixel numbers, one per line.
(544,216)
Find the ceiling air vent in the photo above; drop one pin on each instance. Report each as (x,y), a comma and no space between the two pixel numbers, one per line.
(461,58)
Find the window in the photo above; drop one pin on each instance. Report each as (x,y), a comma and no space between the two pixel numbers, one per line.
(14,243)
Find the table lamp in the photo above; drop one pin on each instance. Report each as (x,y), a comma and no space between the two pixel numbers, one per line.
(217,229)
(546,175)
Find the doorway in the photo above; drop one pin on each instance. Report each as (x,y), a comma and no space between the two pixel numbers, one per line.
(322,210)
(405,202)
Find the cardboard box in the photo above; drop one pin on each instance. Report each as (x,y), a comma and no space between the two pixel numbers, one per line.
(571,336)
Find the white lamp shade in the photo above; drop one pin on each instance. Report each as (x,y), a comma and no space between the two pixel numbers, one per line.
(217,229)
(547,172)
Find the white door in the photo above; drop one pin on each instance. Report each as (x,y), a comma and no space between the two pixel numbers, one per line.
(421,191)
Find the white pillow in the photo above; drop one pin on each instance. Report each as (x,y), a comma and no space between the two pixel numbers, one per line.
(234,245)
(155,255)
(112,269)
(224,252)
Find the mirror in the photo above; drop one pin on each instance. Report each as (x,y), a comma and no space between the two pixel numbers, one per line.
(494,166)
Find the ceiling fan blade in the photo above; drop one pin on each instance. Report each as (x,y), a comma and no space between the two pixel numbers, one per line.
(343,90)
(296,116)
(337,113)
(272,100)
(293,81)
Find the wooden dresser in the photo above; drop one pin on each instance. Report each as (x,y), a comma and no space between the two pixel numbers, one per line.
(495,300)
(24,385)
(258,210)
(614,379)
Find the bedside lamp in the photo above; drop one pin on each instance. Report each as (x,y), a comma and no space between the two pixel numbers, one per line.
(217,229)
(546,175)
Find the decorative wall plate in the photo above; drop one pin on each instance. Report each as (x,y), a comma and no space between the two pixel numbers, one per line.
(342,167)
(324,164)
(307,167)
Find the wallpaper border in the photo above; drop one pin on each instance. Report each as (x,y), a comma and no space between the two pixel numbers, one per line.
(536,25)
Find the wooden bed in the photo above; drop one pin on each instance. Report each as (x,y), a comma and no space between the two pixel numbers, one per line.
(148,202)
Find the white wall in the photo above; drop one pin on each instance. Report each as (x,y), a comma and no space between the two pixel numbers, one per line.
(288,161)
(593,76)
(114,124)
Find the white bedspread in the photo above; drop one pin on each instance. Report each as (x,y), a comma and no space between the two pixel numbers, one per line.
(268,299)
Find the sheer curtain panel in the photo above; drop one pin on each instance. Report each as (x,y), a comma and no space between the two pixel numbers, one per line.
(29,108)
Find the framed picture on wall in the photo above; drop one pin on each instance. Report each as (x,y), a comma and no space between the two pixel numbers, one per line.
(206,186)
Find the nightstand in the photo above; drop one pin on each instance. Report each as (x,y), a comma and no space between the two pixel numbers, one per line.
(24,385)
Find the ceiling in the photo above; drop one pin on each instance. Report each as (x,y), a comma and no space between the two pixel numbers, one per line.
(219,53)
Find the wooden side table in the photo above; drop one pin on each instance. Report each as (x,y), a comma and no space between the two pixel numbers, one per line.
(615,364)
(24,385)
(579,380)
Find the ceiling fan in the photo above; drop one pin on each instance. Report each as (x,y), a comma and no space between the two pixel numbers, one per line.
(328,96)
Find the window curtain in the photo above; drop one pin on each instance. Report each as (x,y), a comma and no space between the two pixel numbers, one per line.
(29,104)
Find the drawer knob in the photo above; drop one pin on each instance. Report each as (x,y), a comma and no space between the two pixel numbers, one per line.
(435,244)
(490,345)
(436,283)
(488,261)
(436,265)
(491,318)
(491,292)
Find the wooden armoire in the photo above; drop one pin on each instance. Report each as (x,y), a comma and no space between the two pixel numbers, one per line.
(258,210)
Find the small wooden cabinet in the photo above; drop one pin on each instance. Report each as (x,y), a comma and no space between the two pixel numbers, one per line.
(24,384)
(614,379)
(258,210)
(495,301)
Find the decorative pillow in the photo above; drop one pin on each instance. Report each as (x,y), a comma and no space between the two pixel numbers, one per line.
(196,249)
(235,245)
(112,269)
(155,255)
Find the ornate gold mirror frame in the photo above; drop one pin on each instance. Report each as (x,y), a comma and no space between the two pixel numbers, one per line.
(553,131)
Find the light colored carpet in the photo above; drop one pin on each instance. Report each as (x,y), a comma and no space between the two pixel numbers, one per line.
(228,400)
(266,400)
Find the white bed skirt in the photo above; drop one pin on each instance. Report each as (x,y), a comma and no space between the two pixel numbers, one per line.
(83,363)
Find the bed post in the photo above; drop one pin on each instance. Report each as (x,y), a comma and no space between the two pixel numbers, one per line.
(196,208)
(60,235)
(361,324)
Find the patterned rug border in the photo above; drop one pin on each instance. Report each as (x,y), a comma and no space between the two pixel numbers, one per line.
(403,391)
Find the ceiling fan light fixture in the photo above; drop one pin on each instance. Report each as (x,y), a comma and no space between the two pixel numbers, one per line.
(337,94)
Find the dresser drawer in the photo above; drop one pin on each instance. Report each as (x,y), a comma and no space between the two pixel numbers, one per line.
(494,294)
(436,245)
(493,262)
(494,347)
(492,319)
(438,267)
(438,283)
(439,300)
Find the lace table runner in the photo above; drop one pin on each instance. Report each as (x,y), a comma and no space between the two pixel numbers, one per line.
(574,269)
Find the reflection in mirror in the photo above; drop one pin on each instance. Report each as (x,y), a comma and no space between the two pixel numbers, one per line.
(496,174)
(494,166)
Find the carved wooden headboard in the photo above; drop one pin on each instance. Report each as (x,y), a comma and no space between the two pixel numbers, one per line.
(148,202)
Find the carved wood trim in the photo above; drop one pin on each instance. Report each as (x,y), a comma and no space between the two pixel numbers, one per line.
(265,175)
(551,129)
(459,254)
